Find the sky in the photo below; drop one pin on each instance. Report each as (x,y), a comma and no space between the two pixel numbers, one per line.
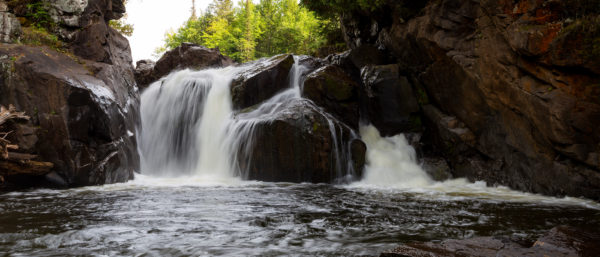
(151,19)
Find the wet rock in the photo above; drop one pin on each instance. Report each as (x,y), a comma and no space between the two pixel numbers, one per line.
(84,112)
(390,100)
(560,241)
(185,56)
(335,91)
(437,168)
(296,144)
(262,81)
(515,82)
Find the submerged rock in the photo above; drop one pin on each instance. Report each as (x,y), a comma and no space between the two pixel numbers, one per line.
(263,80)
(560,241)
(335,91)
(185,56)
(299,143)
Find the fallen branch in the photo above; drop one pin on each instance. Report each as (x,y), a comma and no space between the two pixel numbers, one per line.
(24,167)
(7,114)
(11,114)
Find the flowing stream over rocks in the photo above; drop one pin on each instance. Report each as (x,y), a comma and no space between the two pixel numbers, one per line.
(193,197)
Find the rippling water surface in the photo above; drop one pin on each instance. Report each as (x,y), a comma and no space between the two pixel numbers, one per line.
(180,217)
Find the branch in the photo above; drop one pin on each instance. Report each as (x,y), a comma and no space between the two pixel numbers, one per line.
(11,114)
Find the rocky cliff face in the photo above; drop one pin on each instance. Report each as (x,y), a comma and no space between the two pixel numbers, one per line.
(508,90)
(82,98)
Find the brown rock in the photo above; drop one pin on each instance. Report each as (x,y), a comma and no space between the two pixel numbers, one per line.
(331,88)
(84,113)
(390,100)
(515,80)
(296,144)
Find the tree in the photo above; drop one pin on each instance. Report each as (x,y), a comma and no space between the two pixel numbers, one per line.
(121,25)
(251,31)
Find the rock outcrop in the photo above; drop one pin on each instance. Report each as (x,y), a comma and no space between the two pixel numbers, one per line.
(185,56)
(334,90)
(263,80)
(300,143)
(82,100)
(10,28)
(511,87)
(389,99)
(560,241)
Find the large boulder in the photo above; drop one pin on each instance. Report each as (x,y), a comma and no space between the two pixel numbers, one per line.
(261,81)
(389,99)
(513,85)
(185,56)
(300,143)
(334,90)
(85,114)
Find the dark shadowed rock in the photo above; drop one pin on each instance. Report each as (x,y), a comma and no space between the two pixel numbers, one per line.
(185,56)
(263,80)
(143,72)
(334,90)
(84,112)
(513,84)
(296,144)
(560,241)
(389,99)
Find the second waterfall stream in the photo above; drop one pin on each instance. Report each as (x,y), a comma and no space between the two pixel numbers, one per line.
(189,129)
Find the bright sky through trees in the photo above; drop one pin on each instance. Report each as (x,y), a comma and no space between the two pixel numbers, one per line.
(151,19)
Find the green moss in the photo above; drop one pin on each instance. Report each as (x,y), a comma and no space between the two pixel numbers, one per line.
(41,37)
(315,127)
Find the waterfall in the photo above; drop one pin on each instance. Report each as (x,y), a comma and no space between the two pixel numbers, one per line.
(184,124)
(391,161)
(190,129)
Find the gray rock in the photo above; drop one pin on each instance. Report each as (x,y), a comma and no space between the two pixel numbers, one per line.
(262,81)
(185,56)
(10,27)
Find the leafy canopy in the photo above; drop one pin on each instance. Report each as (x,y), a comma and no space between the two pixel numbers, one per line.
(249,30)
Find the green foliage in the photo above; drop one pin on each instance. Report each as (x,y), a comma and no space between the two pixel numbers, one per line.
(121,26)
(329,8)
(249,31)
(37,14)
(39,36)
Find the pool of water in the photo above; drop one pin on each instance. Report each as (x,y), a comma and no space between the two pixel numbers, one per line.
(183,217)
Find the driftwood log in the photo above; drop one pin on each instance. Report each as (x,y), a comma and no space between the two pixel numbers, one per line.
(13,163)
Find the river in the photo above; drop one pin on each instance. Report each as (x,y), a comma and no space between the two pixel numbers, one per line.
(192,201)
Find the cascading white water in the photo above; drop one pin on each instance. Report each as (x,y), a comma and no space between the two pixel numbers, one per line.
(391,161)
(185,117)
(190,129)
